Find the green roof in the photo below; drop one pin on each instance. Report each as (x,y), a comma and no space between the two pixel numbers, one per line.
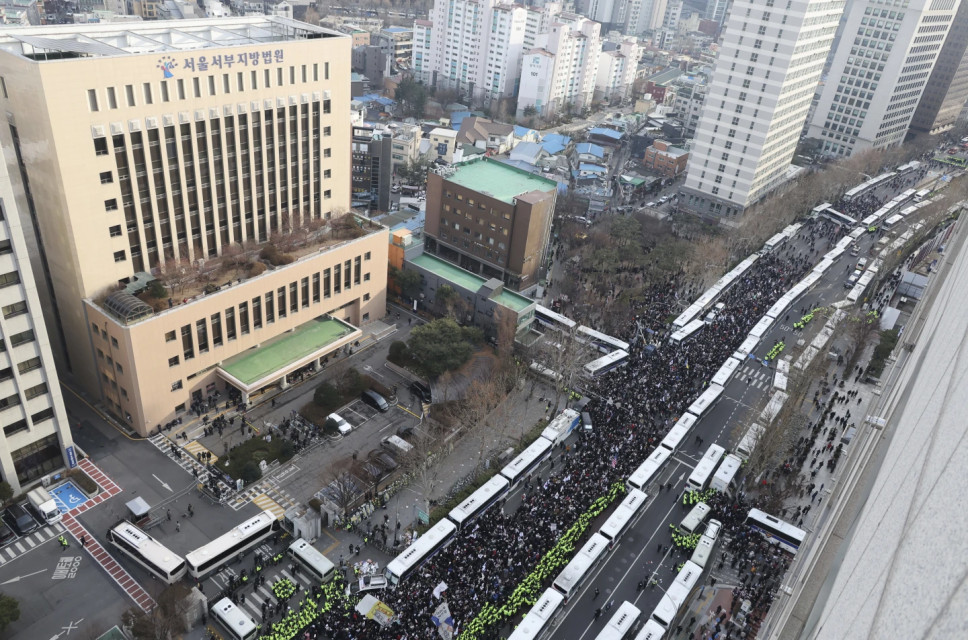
(498,180)
(254,364)
(114,633)
(469,281)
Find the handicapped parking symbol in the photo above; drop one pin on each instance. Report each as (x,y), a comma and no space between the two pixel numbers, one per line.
(74,499)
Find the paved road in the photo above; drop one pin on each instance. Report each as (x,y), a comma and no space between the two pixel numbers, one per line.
(636,557)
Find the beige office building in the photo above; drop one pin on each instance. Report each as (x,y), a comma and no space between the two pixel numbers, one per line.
(157,149)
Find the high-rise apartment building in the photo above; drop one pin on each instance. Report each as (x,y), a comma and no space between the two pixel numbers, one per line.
(475,47)
(36,434)
(560,74)
(947,89)
(492,219)
(181,151)
(617,65)
(757,102)
(878,73)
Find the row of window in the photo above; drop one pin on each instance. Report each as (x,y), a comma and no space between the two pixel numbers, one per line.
(177,90)
(207,333)
(216,181)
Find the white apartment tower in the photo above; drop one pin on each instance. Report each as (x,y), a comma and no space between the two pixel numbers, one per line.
(475,47)
(616,70)
(36,434)
(772,55)
(561,72)
(880,69)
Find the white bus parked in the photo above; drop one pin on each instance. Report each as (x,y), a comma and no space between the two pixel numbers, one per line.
(312,561)
(701,475)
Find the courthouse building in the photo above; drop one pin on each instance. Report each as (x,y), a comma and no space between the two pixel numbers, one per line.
(162,149)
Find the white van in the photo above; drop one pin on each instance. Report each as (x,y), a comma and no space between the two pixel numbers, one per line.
(861,264)
(397,445)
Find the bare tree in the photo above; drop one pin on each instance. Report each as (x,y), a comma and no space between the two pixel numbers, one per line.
(563,354)
(342,489)
(165,621)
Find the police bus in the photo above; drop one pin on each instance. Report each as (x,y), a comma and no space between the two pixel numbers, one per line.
(479,501)
(747,445)
(725,476)
(539,620)
(608,362)
(648,470)
(148,552)
(312,561)
(232,544)
(528,460)
(577,571)
(678,432)
(776,531)
(408,562)
(622,517)
(621,626)
(233,620)
(700,476)
(690,524)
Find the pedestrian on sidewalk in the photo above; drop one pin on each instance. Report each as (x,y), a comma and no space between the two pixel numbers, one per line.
(83,541)
(178,526)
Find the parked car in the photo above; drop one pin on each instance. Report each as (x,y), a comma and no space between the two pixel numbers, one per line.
(366,583)
(6,534)
(422,391)
(375,400)
(340,423)
(651,204)
(20,519)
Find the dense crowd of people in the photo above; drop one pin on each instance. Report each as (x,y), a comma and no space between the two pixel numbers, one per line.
(489,558)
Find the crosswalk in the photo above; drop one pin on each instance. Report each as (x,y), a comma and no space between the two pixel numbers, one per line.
(266,503)
(189,458)
(759,377)
(255,598)
(31,541)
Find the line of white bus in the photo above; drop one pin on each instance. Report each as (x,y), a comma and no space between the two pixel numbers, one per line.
(599,340)
(699,478)
(608,362)
(622,624)
(238,540)
(776,531)
(234,621)
(539,619)
(148,552)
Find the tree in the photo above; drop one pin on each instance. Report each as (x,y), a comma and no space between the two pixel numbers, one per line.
(414,172)
(343,490)
(408,282)
(412,97)
(439,346)
(167,620)
(530,111)
(451,302)
(9,608)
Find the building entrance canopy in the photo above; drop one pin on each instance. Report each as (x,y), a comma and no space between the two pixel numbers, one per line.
(255,368)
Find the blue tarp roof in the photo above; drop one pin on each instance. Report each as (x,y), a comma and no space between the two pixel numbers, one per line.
(593,149)
(457,117)
(376,97)
(607,133)
(588,167)
(523,132)
(555,143)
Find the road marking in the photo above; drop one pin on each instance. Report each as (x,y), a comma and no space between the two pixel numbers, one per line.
(20,547)
(30,542)
(19,578)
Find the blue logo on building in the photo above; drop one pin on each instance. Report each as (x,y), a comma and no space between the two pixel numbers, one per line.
(71,457)
(167,64)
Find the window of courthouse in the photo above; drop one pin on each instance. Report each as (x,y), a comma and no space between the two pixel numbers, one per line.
(37,459)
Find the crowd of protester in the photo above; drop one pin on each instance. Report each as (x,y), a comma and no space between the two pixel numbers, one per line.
(489,558)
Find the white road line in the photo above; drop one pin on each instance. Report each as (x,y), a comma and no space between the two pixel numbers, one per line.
(30,542)
(20,547)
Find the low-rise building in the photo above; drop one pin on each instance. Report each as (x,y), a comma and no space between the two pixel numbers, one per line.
(492,219)
(666,160)
(443,145)
(495,137)
(238,334)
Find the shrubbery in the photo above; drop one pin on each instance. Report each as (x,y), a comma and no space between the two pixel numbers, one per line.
(274,256)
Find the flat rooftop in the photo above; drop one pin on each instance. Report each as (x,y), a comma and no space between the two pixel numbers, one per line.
(469,281)
(255,364)
(59,42)
(498,180)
